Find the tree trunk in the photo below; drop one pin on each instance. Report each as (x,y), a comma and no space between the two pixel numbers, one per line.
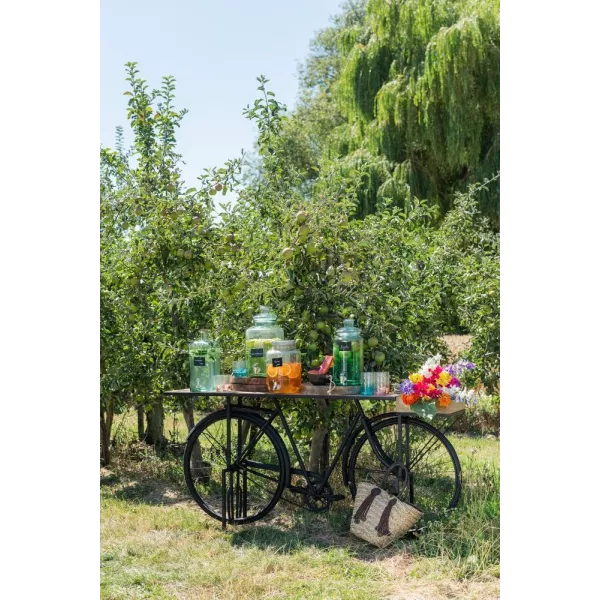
(319,445)
(316,447)
(106,420)
(324,458)
(140,422)
(155,430)
(245,431)
(188,414)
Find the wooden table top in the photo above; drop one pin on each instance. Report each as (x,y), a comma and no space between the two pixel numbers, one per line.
(454,408)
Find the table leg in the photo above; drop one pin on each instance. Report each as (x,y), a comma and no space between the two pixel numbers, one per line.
(224,499)
(398,454)
(245,494)
(408,475)
(228,457)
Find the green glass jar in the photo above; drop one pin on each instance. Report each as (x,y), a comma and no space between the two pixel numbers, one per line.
(205,363)
(259,339)
(347,355)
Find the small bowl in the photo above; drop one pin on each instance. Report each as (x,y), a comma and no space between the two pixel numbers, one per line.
(317,378)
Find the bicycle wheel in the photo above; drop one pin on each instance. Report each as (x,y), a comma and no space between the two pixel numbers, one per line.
(259,466)
(432,476)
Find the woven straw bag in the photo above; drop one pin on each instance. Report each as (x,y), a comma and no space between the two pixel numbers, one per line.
(380,518)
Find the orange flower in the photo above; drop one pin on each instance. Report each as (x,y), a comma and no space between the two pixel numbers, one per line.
(445,400)
(409,399)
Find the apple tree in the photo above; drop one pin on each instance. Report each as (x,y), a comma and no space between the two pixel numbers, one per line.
(158,238)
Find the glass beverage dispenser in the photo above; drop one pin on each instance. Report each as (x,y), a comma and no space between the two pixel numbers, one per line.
(259,339)
(205,363)
(347,355)
(284,368)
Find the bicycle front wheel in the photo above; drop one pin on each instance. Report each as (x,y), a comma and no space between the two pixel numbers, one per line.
(432,468)
(245,485)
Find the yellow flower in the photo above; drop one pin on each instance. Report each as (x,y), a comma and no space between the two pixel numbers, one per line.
(415,377)
(444,378)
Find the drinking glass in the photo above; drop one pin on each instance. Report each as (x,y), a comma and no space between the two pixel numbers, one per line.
(239,368)
(382,383)
(222,383)
(367,384)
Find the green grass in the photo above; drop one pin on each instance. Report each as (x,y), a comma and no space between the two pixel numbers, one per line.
(156,543)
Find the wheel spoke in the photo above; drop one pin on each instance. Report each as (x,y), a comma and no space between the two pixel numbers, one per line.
(258,474)
(262,480)
(430,444)
(220,449)
(433,483)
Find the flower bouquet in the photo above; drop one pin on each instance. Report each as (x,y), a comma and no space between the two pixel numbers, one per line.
(435,384)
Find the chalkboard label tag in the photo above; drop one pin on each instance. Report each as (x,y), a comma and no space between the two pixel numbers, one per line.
(257,352)
(199,361)
(345,346)
(277,362)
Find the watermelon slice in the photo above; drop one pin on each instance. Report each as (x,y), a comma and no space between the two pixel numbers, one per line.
(325,365)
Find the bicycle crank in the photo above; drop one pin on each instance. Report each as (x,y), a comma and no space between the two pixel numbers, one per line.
(317,503)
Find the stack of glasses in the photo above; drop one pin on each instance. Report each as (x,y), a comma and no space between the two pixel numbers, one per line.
(375,383)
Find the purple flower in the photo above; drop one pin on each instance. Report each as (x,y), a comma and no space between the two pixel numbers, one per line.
(459,367)
(406,387)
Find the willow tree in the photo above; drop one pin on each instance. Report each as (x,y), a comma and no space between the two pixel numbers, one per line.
(406,94)
(418,86)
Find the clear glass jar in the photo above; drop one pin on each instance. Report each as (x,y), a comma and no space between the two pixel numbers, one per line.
(347,355)
(259,339)
(284,368)
(205,363)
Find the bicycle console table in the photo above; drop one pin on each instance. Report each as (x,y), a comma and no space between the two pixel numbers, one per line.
(237,465)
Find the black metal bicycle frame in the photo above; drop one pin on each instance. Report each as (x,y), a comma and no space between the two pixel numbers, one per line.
(227,487)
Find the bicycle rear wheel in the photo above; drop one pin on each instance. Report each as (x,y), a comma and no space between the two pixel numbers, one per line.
(433,474)
(258,466)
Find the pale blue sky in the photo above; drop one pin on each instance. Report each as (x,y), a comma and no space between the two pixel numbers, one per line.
(215,49)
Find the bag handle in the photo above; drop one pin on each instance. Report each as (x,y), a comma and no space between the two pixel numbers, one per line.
(405,482)
(390,469)
(383,528)
(363,509)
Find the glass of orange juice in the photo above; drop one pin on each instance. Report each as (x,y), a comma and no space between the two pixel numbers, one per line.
(284,368)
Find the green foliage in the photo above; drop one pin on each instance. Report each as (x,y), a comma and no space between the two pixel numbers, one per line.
(484,417)
(315,264)
(171,265)
(467,541)
(157,240)
(466,260)
(408,90)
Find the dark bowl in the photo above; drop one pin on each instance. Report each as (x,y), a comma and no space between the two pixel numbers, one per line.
(317,378)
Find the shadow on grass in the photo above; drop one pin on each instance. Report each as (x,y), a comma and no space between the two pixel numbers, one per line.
(269,537)
(317,533)
(144,492)
(109,480)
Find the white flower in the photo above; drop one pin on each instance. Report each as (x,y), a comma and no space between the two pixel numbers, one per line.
(430,364)
(469,397)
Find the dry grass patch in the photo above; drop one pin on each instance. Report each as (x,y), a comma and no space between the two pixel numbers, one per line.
(457,345)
